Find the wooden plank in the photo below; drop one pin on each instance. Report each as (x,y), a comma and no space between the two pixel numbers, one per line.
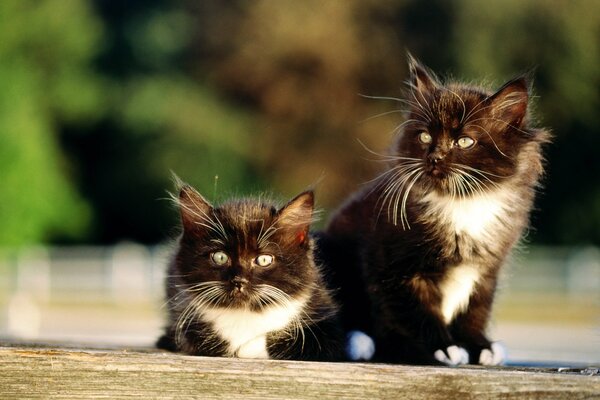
(63,373)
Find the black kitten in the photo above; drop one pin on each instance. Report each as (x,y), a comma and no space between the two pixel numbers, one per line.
(244,283)
(429,235)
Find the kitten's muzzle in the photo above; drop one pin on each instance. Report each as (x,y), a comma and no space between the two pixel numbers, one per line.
(435,167)
(435,170)
(435,157)
(239,283)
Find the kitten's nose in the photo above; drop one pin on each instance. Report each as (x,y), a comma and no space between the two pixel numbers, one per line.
(435,157)
(239,282)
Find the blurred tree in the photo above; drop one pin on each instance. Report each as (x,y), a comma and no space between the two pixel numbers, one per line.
(264,95)
(45,79)
(561,38)
(302,66)
(159,120)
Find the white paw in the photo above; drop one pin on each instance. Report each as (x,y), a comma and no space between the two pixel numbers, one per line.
(359,346)
(494,356)
(453,355)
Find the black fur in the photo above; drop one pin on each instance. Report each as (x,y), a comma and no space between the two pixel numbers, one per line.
(244,230)
(395,247)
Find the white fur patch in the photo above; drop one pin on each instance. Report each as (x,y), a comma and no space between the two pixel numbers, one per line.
(246,330)
(453,355)
(254,348)
(359,346)
(481,218)
(456,289)
(478,216)
(495,356)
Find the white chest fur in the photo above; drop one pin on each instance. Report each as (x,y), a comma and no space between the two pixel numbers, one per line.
(456,289)
(478,220)
(246,330)
(478,216)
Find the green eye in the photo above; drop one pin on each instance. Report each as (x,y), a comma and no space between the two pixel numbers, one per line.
(220,258)
(465,142)
(264,260)
(425,137)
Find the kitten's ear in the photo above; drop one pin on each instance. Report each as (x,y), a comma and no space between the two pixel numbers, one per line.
(296,216)
(421,78)
(194,208)
(509,103)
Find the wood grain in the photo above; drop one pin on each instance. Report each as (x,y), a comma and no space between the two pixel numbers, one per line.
(70,373)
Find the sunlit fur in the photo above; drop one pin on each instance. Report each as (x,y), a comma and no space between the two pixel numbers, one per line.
(422,243)
(239,308)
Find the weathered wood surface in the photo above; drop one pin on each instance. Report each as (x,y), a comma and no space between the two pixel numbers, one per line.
(64,373)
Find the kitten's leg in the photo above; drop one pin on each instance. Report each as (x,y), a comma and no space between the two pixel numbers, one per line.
(469,328)
(495,355)
(446,350)
(320,341)
(406,349)
(452,355)
(197,340)
(342,265)
(431,344)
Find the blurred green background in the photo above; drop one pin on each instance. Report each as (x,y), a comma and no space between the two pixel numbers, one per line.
(100,100)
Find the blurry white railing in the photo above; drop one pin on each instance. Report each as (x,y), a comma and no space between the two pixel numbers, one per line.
(40,281)
(549,298)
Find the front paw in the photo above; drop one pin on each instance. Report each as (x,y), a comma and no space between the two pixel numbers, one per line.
(452,355)
(495,355)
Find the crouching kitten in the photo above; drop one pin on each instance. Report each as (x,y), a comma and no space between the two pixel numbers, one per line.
(244,283)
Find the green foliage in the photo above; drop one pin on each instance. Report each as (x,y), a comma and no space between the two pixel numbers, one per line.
(103,103)
(561,39)
(304,73)
(45,77)
(196,135)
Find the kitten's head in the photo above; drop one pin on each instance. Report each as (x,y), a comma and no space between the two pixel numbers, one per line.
(245,253)
(460,140)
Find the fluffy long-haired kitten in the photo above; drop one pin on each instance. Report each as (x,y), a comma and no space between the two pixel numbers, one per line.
(243,283)
(417,251)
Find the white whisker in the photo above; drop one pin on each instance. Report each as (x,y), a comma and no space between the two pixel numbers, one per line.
(397,184)
(197,297)
(383,114)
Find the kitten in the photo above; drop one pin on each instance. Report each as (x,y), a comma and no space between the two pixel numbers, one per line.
(429,235)
(244,283)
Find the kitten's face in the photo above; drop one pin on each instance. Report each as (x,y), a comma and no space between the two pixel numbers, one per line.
(244,254)
(459,140)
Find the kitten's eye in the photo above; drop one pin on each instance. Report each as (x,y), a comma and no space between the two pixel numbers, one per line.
(264,260)
(465,142)
(425,137)
(220,258)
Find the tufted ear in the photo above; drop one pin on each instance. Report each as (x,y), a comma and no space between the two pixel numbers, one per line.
(509,103)
(421,78)
(195,210)
(296,216)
